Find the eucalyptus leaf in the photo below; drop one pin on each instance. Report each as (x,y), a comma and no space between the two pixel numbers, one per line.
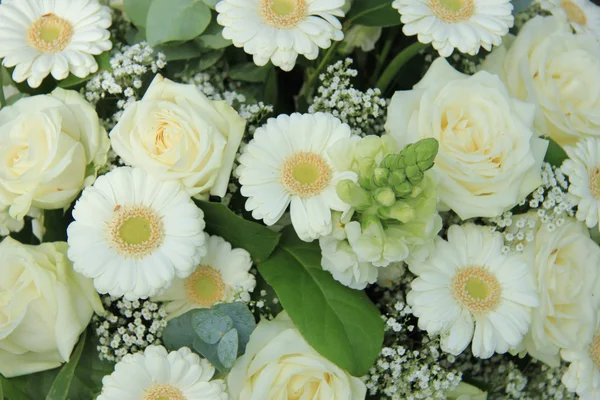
(520,5)
(137,11)
(212,38)
(248,72)
(60,387)
(182,51)
(243,321)
(179,332)
(257,239)
(211,3)
(340,323)
(209,351)
(209,59)
(187,19)
(373,13)
(227,349)
(211,326)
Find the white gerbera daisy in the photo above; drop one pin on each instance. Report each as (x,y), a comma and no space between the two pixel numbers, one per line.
(469,290)
(133,234)
(41,37)
(156,374)
(583,15)
(288,162)
(465,25)
(583,169)
(279,30)
(583,374)
(222,276)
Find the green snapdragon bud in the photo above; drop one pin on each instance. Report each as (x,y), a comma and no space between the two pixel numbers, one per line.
(403,190)
(397,177)
(384,196)
(380,176)
(400,211)
(351,193)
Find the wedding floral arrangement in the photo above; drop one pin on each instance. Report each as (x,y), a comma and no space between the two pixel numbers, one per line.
(299,199)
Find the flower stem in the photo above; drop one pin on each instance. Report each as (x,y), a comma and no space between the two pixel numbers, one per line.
(397,63)
(385,52)
(307,88)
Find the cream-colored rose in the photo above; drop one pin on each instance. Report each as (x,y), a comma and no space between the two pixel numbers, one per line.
(44,307)
(279,364)
(566,263)
(489,159)
(50,147)
(550,66)
(176,133)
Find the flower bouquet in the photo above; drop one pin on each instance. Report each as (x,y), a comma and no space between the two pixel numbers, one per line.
(299,199)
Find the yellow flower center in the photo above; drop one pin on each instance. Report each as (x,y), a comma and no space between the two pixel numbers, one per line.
(595,350)
(595,183)
(574,12)
(50,33)
(205,287)
(135,231)
(305,174)
(452,11)
(163,392)
(283,14)
(476,289)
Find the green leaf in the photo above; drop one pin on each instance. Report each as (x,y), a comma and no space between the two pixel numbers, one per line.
(60,387)
(11,391)
(176,20)
(209,59)
(373,13)
(212,38)
(257,239)
(209,351)
(137,11)
(183,51)
(520,5)
(340,323)
(211,325)
(227,349)
(555,155)
(271,87)
(211,3)
(243,321)
(55,224)
(1,391)
(248,72)
(179,332)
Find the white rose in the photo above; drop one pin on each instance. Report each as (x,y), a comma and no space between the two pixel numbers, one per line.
(550,66)
(566,264)
(279,364)
(489,159)
(44,307)
(176,133)
(50,147)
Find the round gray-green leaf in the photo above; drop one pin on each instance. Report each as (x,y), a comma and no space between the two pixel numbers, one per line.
(176,20)
(210,325)
(228,348)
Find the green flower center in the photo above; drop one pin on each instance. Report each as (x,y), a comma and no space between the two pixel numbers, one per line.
(283,14)
(50,33)
(305,174)
(476,289)
(452,11)
(135,231)
(205,287)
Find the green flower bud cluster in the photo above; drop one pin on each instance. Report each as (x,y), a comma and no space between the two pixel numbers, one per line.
(383,188)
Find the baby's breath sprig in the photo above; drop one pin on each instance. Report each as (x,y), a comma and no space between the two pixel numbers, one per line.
(128,327)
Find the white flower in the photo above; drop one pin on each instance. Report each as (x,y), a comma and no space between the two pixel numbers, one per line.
(280,30)
(469,290)
(279,364)
(583,15)
(9,224)
(288,162)
(50,147)
(583,169)
(341,260)
(550,66)
(176,133)
(134,234)
(565,264)
(583,374)
(489,159)
(361,36)
(42,37)
(156,374)
(222,276)
(44,307)
(465,25)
